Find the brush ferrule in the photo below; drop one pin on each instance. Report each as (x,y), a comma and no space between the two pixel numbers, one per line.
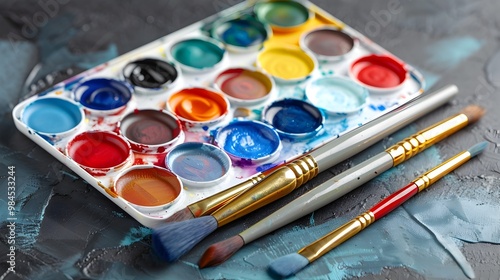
(276,185)
(337,237)
(433,175)
(418,142)
(210,204)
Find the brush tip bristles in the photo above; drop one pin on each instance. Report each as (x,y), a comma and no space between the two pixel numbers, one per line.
(478,148)
(473,112)
(173,240)
(221,251)
(181,215)
(288,265)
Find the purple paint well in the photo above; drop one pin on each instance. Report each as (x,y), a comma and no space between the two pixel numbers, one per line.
(250,140)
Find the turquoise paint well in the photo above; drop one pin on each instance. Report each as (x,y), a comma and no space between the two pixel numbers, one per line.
(197,53)
(52,115)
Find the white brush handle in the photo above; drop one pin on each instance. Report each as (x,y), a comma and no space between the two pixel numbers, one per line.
(320,196)
(361,138)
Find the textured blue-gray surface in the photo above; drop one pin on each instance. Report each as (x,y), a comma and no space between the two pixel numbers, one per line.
(68,230)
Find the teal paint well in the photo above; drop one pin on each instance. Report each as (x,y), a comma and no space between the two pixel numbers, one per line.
(197,53)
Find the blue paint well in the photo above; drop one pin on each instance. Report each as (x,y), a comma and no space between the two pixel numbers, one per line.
(199,162)
(242,32)
(294,118)
(103,94)
(249,140)
(52,115)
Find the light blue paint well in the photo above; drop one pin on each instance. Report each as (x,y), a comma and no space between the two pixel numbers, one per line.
(52,115)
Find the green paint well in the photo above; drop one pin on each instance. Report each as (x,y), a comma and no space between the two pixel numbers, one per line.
(282,13)
(197,53)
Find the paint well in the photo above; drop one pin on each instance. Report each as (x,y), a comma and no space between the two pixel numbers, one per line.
(151,130)
(244,86)
(337,95)
(241,32)
(198,53)
(150,73)
(250,140)
(103,94)
(287,63)
(98,149)
(379,71)
(282,15)
(294,118)
(327,42)
(198,104)
(198,163)
(148,186)
(52,115)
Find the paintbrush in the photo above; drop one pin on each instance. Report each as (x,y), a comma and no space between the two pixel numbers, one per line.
(174,239)
(292,263)
(341,184)
(332,152)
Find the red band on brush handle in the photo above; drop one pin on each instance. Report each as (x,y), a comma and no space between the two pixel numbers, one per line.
(394,200)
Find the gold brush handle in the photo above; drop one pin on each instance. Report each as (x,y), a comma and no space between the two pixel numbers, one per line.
(337,237)
(280,183)
(210,204)
(418,142)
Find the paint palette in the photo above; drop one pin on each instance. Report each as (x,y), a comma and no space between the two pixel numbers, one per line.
(204,108)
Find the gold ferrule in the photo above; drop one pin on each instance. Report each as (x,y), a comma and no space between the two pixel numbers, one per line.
(337,237)
(433,175)
(276,185)
(210,204)
(420,141)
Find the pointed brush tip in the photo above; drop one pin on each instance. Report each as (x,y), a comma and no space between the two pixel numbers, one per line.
(473,112)
(221,251)
(478,148)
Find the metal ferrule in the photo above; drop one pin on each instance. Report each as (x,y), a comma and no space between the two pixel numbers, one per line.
(418,142)
(212,203)
(337,237)
(278,184)
(431,176)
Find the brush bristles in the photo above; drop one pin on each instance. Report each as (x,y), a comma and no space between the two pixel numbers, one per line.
(221,251)
(478,148)
(181,215)
(473,112)
(288,265)
(173,240)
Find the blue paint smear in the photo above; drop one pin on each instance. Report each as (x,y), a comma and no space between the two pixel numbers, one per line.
(450,52)
(135,235)
(250,140)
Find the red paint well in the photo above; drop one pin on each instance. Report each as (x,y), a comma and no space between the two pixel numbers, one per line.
(379,71)
(98,149)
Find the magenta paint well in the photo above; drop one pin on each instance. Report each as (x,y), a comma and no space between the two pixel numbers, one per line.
(99,152)
(244,86)
(379,72)
(151,131)
(249,140)
(198,164)
(294,118)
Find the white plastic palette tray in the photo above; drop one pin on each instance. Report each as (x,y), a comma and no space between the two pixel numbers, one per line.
(334,125)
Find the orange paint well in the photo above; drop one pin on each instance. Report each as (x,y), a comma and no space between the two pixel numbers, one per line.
(198,104)
(149,187)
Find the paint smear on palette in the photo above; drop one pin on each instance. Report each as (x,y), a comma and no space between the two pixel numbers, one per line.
(449,53)
(493,70)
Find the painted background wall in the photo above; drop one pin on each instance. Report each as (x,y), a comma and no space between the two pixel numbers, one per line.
(68,230)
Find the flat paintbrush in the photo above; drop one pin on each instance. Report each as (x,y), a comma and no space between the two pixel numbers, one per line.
(174,239)
(332,152)
(292,263)
(341,184)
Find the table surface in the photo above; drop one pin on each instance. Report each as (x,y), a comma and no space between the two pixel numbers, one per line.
(65,229)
